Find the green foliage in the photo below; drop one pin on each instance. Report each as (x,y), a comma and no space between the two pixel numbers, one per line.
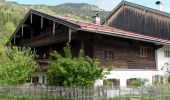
(7,31)
(107,82)
(16,64)
(73,71)
(139,82)
(80,11)
(156,82)
(169,79)
(146,98)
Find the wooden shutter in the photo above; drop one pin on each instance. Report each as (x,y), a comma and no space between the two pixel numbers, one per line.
(153,79)
(117,82)
(128,82)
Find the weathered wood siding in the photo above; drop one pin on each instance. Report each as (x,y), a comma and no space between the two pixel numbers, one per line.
(141,21)
(126,53)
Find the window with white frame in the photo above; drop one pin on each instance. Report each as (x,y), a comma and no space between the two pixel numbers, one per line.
(167,53)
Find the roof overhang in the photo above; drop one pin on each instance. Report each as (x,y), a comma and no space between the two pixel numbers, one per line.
(91,27)
(127,37)
(47,16)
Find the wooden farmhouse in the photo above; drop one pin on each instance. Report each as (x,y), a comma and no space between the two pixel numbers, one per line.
(129,39)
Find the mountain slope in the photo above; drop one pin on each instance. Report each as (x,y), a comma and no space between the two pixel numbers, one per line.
(81,11)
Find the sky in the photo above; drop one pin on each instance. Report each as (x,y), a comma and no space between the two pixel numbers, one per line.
(104,4)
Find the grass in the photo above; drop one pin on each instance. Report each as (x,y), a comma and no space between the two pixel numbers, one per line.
(31,98)
(64,98)
(141,98)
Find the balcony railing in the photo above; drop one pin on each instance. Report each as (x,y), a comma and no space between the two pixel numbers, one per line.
(45,39)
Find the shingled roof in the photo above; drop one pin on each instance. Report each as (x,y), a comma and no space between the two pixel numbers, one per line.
(95,28)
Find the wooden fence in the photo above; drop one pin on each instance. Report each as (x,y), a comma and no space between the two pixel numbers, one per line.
(85,93)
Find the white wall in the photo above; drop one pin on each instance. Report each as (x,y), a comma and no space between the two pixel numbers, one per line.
(124,75)
(160,59)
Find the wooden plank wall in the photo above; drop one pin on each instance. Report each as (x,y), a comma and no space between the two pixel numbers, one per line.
(126,53)
(141,21)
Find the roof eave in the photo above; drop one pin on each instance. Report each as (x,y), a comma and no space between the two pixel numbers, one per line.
(19,26)
(127,37)
(51,17)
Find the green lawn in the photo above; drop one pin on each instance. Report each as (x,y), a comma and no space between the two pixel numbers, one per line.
(31,98)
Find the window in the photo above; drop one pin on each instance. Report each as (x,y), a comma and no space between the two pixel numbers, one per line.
(35,79)
(167,53)
(108,54)
(143,52)
(28,80)
(112,82)
(129,82)
(157,79)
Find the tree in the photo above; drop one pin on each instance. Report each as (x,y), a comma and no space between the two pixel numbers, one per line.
(16,64)
(139,82)
(73,71)
(7,31)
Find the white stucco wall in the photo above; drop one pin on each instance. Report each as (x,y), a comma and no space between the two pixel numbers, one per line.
(124,75)
(160,58)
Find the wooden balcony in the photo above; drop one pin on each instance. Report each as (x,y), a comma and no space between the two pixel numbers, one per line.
(45,39)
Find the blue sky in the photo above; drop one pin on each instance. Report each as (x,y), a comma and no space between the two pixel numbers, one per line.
(105,4)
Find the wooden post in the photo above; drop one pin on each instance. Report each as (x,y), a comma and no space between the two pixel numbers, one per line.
(42,22)
(34,50)
(22,30)
(31,79)
(14,39)
(31,18)
(82,45)
(31,34)
(69,38)
(53,28)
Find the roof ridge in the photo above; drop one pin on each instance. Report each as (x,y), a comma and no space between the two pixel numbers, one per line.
(131,3)
(59,16)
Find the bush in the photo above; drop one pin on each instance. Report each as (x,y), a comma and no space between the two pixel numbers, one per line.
(139,82)
(73,71)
